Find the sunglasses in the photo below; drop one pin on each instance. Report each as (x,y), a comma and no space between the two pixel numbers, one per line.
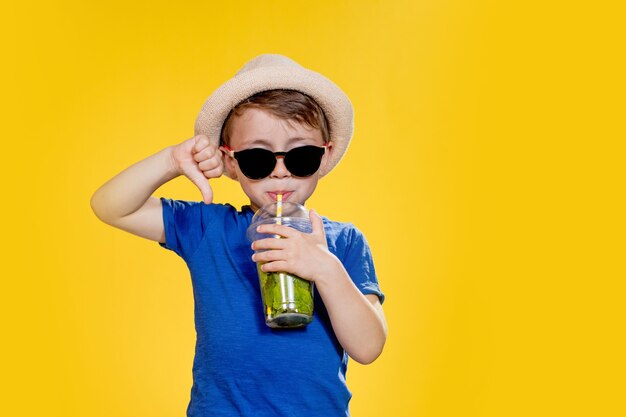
(258,163)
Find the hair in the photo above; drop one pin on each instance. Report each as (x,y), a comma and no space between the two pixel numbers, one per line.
(288,105)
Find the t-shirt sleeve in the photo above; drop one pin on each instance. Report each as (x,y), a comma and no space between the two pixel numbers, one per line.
(185,224)
(359,263)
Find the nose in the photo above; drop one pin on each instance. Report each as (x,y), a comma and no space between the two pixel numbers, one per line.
(280,170)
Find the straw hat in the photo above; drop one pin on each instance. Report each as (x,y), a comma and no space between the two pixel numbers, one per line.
(270,72)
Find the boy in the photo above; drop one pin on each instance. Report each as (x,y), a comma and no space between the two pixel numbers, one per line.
(275,127)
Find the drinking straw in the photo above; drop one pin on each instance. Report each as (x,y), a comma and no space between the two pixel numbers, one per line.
(279,208)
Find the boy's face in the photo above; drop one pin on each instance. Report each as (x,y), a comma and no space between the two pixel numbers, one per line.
(257,128)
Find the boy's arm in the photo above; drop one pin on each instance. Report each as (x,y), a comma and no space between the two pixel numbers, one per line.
(357,319)
(125,200)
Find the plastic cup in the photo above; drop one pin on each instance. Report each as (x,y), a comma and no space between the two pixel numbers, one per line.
(287,298)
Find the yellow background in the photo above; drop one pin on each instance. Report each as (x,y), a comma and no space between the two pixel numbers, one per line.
(486,170)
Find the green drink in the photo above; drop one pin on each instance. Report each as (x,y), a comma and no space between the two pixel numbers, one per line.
(287,299)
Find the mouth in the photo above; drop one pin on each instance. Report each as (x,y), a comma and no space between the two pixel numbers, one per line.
(274,194)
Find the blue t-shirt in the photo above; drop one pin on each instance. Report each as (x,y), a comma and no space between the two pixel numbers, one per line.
(241,366)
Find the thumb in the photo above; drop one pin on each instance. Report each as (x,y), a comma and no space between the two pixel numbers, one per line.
(317,224)
(198,178)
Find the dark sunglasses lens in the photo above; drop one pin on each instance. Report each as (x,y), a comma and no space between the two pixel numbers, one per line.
(304,161)
(256,163)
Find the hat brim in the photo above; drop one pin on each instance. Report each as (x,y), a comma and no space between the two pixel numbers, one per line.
(335,104)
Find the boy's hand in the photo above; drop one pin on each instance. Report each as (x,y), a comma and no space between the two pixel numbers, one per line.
(198,159)
(303,254)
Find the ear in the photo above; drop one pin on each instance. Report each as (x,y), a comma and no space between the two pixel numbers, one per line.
(329,151)
(229,164)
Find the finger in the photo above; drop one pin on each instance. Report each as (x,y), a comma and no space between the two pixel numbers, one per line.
(197,177)
(210,164)
(269,256)
(277,229)
(269,243)
(275,266)
(200,142)
(317,224)
(214,173)
(207,153)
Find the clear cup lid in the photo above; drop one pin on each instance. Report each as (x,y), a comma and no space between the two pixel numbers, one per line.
(293,215)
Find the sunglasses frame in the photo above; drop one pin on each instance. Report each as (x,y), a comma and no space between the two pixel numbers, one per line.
(282,154)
